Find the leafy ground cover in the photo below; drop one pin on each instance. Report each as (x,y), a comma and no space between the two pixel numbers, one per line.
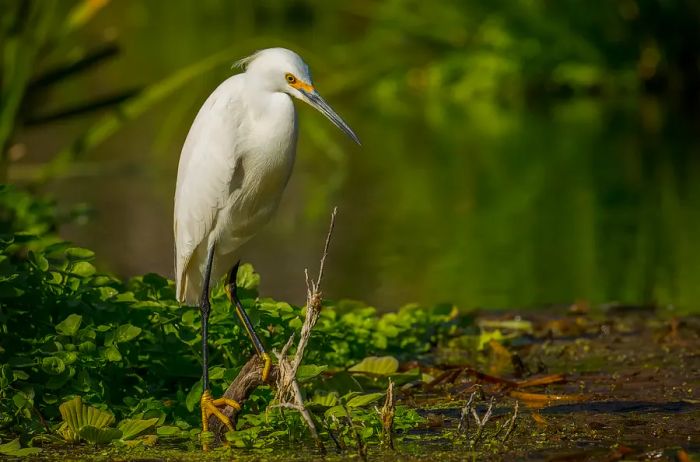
(95,367)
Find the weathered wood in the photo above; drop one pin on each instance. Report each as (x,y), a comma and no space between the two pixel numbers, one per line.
(247,380)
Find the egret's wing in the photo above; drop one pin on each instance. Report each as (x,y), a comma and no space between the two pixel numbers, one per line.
(206,169)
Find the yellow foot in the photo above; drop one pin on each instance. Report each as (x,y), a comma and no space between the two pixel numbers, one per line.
(266,368)
(210,406)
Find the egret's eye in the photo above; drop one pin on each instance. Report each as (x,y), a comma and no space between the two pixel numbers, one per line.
(290,78)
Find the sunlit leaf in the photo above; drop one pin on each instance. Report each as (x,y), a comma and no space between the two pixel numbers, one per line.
(111,353)
(83,269)
(167,430)
(384,365)
(14,449)
(78,254)
(70,325)
(364,400)
(126,332)
(99,435)
(131,428)
(78,415)
(53,365)
(309,371)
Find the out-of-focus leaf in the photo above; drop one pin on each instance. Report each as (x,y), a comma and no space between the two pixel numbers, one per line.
(99,435)
(131,428)
(309,371)
(78,254)
(364,400)
(83,269)
(377,365)
(194,396)
(14,449)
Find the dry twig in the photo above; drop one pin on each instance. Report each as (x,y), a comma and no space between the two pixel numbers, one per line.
(288,390)
(386,415)
(481,422)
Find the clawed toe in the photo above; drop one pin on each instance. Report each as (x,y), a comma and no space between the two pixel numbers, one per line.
(210,407)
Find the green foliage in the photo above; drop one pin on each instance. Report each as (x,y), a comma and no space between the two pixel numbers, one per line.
(72,335)
(15,449)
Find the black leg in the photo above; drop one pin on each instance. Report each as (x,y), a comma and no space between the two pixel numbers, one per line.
(232,291)
(205,308)
(209,405)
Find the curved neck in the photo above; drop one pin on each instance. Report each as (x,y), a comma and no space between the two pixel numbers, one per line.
(261,98)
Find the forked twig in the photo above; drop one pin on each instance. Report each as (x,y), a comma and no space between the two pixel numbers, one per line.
(288,390)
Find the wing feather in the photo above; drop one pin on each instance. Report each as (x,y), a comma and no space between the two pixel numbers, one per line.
(206,168)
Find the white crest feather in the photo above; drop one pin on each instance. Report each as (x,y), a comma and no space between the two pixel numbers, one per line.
(244,62)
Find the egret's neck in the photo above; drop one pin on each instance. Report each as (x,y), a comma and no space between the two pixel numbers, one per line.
(264,101)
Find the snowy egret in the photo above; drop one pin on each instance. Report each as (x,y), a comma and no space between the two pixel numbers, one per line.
(233,168)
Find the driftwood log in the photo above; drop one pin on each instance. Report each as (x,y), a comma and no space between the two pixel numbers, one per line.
(247,380)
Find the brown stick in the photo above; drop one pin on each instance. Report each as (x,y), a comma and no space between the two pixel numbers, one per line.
(247,380)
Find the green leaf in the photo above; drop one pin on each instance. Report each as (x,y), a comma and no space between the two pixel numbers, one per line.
(53,365)
(83,269)
(216,373)
(111,353)
(20,400)
(324,400)
(131,428)
(377,365)
(77,415)
(99,435)
(39,261)
(127,332)
(309,371)
(19,375)
(247,278)
(335,411)
(167,430)
(364,400)
(194,396)
(295,323)
(14,449)
(11,446)
(70,325)
(79,254)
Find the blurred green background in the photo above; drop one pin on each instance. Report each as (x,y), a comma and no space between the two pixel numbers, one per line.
(515,153)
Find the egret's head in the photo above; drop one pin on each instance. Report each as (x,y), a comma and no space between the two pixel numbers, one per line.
(282,70)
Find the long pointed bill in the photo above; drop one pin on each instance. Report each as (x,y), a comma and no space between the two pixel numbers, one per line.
(315,100)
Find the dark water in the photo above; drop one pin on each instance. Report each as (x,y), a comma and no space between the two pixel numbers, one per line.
(480,205)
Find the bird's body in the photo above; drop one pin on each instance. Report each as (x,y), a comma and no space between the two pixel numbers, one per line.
(234,166)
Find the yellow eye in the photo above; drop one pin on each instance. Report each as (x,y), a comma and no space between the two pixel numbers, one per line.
(290,78)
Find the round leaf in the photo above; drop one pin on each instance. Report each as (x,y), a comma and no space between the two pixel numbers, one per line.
(52,365)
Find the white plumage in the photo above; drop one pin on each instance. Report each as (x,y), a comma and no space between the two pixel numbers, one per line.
(236,162)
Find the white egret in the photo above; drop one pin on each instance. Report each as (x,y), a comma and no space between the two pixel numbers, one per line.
(233,168)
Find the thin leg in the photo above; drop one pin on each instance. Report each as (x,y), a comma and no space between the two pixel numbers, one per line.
(205,308)
(208,405)
(231,291)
